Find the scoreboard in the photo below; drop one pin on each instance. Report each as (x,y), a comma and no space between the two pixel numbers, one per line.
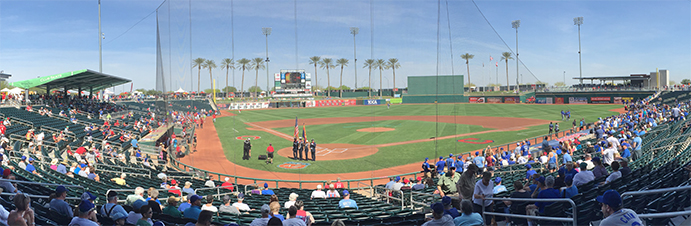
(294,81)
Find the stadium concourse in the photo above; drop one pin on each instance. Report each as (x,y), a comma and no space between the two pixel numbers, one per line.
(70,156)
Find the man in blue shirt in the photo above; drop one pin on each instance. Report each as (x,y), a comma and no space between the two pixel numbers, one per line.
(567,157)
(450,162)
(637,153)
(479,161)
(111,208)
(266,190)
(548,193)
(134,143)
(195,209)
(183,206)
(346,202)
(59,205)
(425,166)
(530,171)
(440,165)
(459,163)
(30,167)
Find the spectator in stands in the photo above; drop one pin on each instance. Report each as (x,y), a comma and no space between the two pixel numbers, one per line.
(318,193)
(468,217)
(153,201)
(388,185)
(54,164)
(134,215)
(92,174)
(483,189)
(608,154)
(570,190)
(119,219)
(138,195)
(193,211)
(171,208)
(205,218)
(266,190)
(293,219)
(112,207)
(188,188)
(584,176)
(637,141)
(86,213)
(291,200)
(439,218)
(186,204)
(547,193)
(241,206)
(447,184)
(58,203)
(332,193)
(479,161)
(624,167)
(346,202)
(613,212)
(264,220)
(162,175)
(440,165)
(599,170)
(120,180)
(6,185)
(466,184)
(275,207)
(589,161)
(398,184)
(520,191)
(498,188)
(302,214)
(425,166)
(146,213)
(530,172)
(339,184)
(448,208)
(226,207)
(227,185)
(22,214)
(22,163)
(210,204)
(616,174)
(418,184)
(209,182)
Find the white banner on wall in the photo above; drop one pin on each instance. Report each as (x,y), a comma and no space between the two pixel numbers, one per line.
(248,105)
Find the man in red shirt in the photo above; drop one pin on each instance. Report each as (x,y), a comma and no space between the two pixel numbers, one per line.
(338,183)
(2,129)
(214,117)
(269,154)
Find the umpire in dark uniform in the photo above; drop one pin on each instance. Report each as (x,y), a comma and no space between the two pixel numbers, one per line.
(246,150)
(313,149)
(295,148)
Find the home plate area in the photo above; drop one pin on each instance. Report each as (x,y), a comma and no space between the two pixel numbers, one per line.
(335,151)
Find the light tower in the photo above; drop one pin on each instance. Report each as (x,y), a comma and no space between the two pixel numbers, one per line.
(578,21)
(515,24)
(355,31)
(267,31)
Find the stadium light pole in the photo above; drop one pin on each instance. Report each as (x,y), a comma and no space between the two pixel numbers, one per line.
(578,21)
(355,31)
(564,78)
(515,24)
(100,40)
(267,31)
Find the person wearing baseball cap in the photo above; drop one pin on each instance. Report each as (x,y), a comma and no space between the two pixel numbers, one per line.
(318,193)
(6,185)
(425,166)
(111,208)
(87,215)
(584,176)
(447,183)
(241,206)
(530,171)
(613,212)
(264,220)
(171,208)
(193,211)
(346,202)
(440,165)
(448,208)
(498,187)
(439,218)
(58,204)
(266,190)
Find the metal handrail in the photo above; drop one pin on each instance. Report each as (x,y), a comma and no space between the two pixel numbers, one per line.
(388,197)
(560,219)
(132,190)
(370,187)
(218,190)
(22,121)
(253,184)
(422,194)
(41,184)
(40,196)
(656,191)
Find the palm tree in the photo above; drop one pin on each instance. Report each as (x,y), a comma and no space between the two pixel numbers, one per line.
(506,56)
(466,57)
(370,63)
(327,63)
(210,64)
(243,64)
(198,64)
(228,64)
(315,60)
(380,64)
(393,65)
(343,62)
(257,63)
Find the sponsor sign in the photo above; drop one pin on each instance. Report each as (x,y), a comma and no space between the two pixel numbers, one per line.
(493,99)
(621,100)
(371,102)
(293,165)
(326,103)
(578,100)
(248,136)
(472,141)
(543,100)
(248,105)
(476,99)
(513,100)
(600,100)
(559,100)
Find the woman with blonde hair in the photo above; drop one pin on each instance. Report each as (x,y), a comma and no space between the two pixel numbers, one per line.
(23,214)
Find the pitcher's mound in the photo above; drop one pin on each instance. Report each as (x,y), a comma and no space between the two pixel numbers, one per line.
(376,129)
(335,151)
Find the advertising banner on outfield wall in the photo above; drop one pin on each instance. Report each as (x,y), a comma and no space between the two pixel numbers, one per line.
(621,100)
(600,100)
(327,103)
(559,100)
(512,100)
(476,100)
(578,100)
(248,105)
(493,99)
(371,102)
(543,100)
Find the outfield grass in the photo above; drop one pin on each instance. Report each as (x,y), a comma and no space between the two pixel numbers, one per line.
(346,133)
(230,127)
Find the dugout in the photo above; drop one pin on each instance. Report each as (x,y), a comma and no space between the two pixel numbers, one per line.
(431,89)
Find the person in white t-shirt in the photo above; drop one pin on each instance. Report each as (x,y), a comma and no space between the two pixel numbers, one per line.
(318,193)
(209,204)
(616,174)
(241,206)
(608,154)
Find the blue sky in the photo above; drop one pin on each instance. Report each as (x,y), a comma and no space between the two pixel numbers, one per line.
(40,38)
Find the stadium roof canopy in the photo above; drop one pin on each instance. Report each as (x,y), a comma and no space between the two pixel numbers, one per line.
(614,78)
(82,79)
